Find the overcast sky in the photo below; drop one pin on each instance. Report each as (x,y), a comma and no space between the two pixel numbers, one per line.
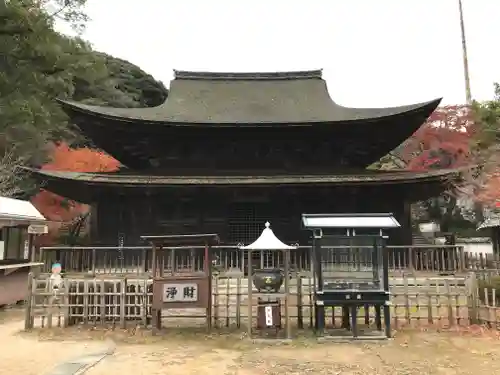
(373,53)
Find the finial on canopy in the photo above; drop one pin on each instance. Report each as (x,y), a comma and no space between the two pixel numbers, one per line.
(267,241)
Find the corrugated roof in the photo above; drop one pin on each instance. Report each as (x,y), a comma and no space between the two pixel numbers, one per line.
(490,222)
(247,98)
(19,211)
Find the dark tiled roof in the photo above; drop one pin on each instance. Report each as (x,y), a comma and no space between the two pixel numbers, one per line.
(247,98)
(304,74)
(353,179)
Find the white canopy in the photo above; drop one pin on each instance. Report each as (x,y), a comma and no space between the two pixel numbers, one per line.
(350,221)
(267,241)
(15,212)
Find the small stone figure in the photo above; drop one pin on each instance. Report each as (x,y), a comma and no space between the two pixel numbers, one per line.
(55,279)
(55,285)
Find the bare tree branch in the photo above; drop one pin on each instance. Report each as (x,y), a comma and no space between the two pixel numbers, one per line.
(12,174)
(398,160)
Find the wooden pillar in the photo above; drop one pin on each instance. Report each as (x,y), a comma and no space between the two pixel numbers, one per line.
(94,226)
(106,217)
(122,212)
(406,227)
(495,239)
(402,212)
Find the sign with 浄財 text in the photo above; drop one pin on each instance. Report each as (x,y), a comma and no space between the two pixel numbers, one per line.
(177,292)
(174,292)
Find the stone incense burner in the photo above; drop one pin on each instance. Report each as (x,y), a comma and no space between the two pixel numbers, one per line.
(268,279)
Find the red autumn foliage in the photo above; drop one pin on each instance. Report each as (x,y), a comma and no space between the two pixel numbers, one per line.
(490,192)
(442,142)
(64,158)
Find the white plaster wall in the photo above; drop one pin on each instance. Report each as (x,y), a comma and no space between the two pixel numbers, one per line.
(474,245)
(485,248)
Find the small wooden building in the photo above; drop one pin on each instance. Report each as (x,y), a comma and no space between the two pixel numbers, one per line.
(227,152)
(15,217)
(16,247)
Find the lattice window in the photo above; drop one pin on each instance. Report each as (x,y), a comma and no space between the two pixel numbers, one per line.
(246,223)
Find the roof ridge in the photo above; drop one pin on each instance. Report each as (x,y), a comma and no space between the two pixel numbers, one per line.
(287,75)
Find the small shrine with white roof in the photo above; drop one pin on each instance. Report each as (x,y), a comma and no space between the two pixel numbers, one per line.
(271,287)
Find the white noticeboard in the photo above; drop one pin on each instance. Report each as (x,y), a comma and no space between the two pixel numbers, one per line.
(26,249)
(429,227)
(38,229)
(268,310)
(2,250)
(185,292)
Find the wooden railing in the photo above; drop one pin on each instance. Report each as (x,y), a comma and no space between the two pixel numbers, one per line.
(124,302)
(230,260)
(428,258)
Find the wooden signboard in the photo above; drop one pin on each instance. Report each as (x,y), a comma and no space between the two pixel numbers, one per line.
(38,229)
(181,292)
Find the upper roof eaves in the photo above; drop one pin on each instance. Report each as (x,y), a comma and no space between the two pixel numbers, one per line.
(260,99)
(249,76)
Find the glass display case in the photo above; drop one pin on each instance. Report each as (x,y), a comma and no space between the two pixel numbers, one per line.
(350,265)
(352,261)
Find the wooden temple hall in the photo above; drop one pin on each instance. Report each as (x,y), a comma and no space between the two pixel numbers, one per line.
(227,152)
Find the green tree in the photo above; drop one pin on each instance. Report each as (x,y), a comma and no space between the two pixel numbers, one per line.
(125,85)
(487,119)
(70,11)
(41,64)
(37,64)
(486,148)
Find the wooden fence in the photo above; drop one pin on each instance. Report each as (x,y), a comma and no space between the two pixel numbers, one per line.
(122,301)
(136,260)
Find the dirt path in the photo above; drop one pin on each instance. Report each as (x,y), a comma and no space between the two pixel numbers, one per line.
(184,353)
(409,353)
(26,355)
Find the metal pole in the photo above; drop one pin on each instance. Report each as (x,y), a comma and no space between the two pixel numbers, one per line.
(468,94)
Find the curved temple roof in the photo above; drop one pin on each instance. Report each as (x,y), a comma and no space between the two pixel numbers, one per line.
(152,180)
(247,98)
(80,186)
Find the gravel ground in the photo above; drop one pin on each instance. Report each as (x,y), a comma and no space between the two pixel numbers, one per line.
(419,354)
(26,355)
(468,351)
(473,350)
